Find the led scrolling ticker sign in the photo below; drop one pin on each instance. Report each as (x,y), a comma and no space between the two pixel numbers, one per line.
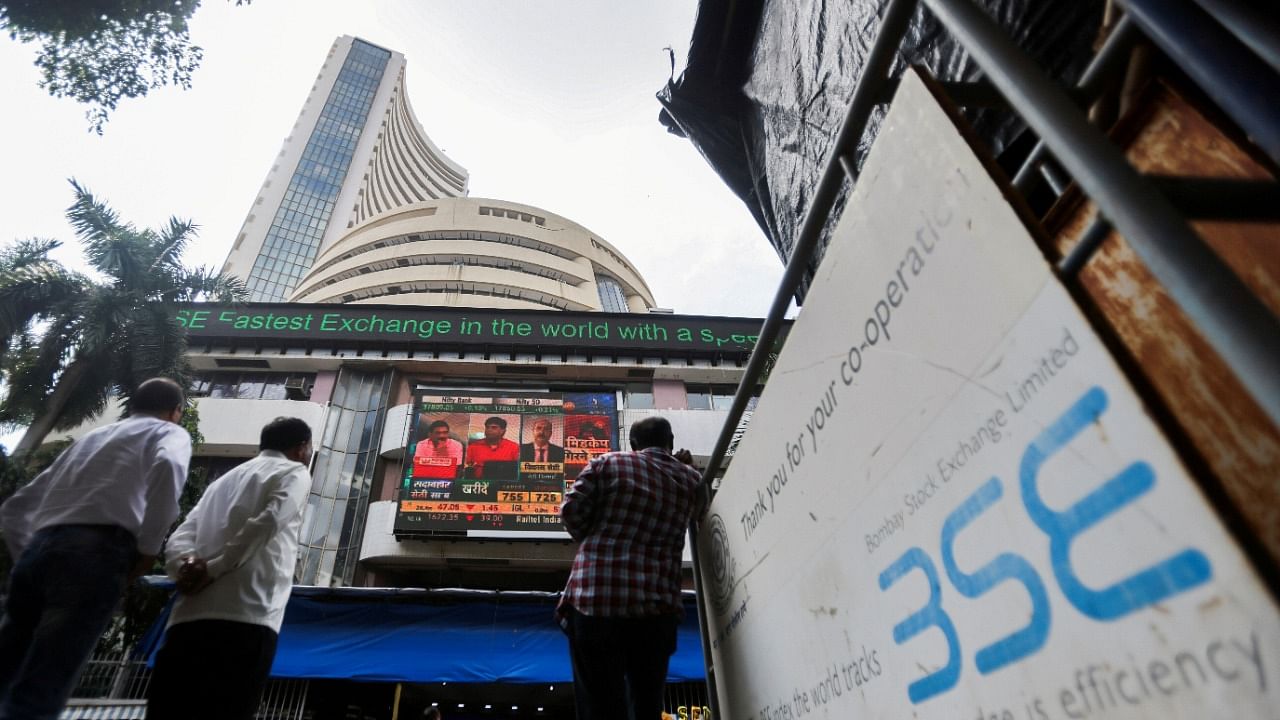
(471,326)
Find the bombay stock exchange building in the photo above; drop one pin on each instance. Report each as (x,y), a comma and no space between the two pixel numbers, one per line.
(361,207)
(361,236)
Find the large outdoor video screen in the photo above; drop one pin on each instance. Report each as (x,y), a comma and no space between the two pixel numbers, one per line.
(498,461)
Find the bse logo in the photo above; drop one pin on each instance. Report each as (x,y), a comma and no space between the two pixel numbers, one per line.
(722,566)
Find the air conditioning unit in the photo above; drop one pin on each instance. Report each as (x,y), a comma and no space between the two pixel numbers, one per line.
(296,389)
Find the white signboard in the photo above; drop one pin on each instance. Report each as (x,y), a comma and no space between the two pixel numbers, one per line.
(951,504)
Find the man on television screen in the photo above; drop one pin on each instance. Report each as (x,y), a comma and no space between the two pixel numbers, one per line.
(541,450)
(437,455)
(493,448)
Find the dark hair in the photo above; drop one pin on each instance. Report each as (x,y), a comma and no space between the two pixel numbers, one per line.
(157,395)
(431,713)
(650,432)
(284,433)
(495,420)
(436,424)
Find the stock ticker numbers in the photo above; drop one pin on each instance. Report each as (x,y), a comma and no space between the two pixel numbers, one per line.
(1177,573)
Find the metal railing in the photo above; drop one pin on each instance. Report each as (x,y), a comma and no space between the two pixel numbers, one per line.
(691,697)
(116,676)
(118,682)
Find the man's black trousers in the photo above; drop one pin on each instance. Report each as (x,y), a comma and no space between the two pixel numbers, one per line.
(620,665)
(213,669)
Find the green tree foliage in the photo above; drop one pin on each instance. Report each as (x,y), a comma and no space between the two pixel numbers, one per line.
(98,52)
(197,477)
(30,284)
(69,342)
(64,358)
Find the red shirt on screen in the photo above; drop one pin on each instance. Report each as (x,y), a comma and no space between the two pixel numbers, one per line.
(432,461)
(479,452)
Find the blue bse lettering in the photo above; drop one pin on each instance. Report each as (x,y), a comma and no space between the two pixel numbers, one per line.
(1184,570)
(1180,572)
(931,615)
(1005,567)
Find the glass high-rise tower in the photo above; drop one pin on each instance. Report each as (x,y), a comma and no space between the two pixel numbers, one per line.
(356,150)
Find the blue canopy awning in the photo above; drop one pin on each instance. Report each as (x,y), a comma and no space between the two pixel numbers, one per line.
(418,636)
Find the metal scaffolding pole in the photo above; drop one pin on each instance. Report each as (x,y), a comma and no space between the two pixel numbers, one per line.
(892,28)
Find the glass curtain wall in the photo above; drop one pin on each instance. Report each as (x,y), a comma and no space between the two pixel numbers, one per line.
(302,218)
(612,297)
(346,458)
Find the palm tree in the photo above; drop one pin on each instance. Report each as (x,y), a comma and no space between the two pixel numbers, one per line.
(101,338)
(33,287)
(30,283)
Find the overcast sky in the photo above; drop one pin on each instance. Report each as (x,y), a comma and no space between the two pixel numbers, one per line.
(546,103)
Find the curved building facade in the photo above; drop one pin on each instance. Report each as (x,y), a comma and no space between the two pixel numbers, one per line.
(474,252)
(356,150)
(405,166)
(362,208)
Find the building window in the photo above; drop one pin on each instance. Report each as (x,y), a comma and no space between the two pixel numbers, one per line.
(698,399)
(712,397)
(612,297)
(638,397)
(293,238)
(342,479)
(722,399)
(253,386)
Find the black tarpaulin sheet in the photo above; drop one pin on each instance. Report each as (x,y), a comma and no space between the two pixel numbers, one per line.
(767,84)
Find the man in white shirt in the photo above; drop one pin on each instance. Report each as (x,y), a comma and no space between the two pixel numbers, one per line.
(233,560)
(80,531)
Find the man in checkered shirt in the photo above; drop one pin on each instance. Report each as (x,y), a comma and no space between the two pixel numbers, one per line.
(621,607)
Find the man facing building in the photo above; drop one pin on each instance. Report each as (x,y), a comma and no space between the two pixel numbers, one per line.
(233,560)
(621,606)
(79,532)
